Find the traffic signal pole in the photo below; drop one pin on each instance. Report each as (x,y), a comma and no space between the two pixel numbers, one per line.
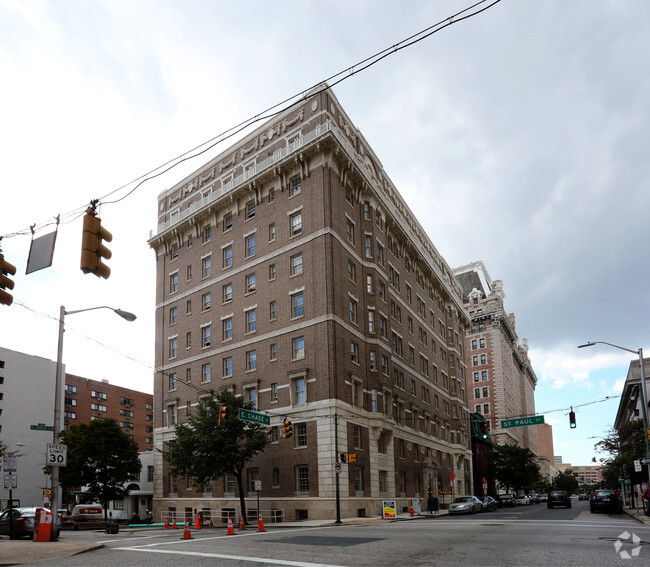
(336,472)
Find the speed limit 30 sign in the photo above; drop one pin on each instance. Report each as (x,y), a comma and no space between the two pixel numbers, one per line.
(56,455)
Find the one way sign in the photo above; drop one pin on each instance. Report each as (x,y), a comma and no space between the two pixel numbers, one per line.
(645,461)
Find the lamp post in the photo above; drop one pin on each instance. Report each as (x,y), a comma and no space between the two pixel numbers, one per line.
(58,388)
(644,401)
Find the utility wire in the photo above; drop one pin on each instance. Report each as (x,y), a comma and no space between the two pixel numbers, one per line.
(272,111)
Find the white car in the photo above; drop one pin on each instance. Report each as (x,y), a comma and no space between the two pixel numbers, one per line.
(522,500)
(465,505)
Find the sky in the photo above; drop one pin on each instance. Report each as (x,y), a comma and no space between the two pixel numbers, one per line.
(520,136)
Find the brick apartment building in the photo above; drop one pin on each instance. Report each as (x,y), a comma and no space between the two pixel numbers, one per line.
(291,271)
(86,399)
(500,380)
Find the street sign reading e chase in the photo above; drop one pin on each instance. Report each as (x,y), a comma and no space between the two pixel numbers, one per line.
(522,421)
(254,417)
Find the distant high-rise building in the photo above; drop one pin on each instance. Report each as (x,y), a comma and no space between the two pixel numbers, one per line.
(290,271)
(500,380)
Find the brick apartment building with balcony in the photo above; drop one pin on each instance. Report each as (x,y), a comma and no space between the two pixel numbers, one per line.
(290,271)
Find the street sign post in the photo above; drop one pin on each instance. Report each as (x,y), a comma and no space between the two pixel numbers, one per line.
(645,461)
(56,455)
(11,481)
(522,421)
(9,464)
(254,417)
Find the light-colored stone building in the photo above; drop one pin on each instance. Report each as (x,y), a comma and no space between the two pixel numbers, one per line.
(291,271)
(500,379)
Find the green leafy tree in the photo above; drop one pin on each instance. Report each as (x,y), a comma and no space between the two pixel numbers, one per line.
(622,447)
(204,450)
(512,466)
(102,457)
(566,480)
(5,452)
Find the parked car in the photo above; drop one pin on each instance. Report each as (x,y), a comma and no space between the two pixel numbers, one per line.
(84,513)
(583,496)
(558,498)
(505,500)
(522,500)
(488,504)
(465,505)
(607,500)
(23,523)
(543,497)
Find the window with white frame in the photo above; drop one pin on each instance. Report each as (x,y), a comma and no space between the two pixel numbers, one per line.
(250,246)
(297,305)
(206,335)
(206,301)
(227,328)
(206,372)
(227,366)
(295,223)
(250,283)
(301,434)
(227,292)
(227,257)
(206,266)
(296,265)
(296,187)
(298,348)
(251,321)
(251,360)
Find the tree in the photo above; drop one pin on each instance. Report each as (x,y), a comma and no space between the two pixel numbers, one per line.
(204,450)
(102,457)
(623,447)
(5,452)
(566,480)
(513,466)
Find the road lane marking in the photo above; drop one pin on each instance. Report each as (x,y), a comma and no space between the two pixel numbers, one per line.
(248,559)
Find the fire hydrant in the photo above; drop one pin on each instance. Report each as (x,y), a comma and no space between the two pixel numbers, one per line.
(411,511)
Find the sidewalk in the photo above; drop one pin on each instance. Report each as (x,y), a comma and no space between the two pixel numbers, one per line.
(638,515)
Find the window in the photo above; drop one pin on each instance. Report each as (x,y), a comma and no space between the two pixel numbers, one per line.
(366,211)
(227,257)
(250,283)
(251,396)
(173,381)
(227,366)
(380,254)
(227,329)
(227,222)
(171,415)
(383,481)
(295,223)
(271,271)
(188,307)
(206,266)
(296,187)
(250,246)
(274,393)
(273,351)
(349,231)
(275,477)
(484,375)
(300,391)
(251,360)
(474,344)
(370,288)
(206,372)
(297,305)
(251,321)
(174,252)
(273,311)
(368,246)
(298,348)
(353,310)
(206,301)
(348,195)
(206,236)
(296,265)
(302,478)
(173,283)
(188,272)
(173,347)
(484,359)
(381,290)
(485,391)
(301,434)
(272,232)
(205,336)
(227,293)
(173,315)
(354,352)
(357,394)
(477,393)
(352,271)
(486,408)
(272,196)
(475,376)
(188,378)
(371,321)
(481,343)
(250,210)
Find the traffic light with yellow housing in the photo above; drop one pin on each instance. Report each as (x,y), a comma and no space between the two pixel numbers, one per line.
(223,413)
(485,430)
(92,249)
(288,428)
(6,270)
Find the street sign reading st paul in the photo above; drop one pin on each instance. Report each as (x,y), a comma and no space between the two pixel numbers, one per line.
(522,421)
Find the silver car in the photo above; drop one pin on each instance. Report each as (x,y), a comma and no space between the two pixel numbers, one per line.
(465,505)
(23,523)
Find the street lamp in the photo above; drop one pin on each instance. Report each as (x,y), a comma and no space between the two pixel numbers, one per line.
(58,388)
(643,393)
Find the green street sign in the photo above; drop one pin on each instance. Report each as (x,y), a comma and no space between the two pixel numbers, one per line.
(522,421)
(254,417)
(41,427)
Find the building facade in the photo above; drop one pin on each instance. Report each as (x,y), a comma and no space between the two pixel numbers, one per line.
(500,379)
(290,271)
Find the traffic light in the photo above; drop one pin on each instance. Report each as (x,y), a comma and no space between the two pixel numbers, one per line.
(288,429)
(92,249)
(6,270)
(223,413)
(485,430)
(572,419)
(352,457)
(344,457)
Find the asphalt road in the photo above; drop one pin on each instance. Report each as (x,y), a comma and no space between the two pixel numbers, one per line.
(520,537)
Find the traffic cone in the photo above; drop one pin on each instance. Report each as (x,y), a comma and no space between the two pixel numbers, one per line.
(242,524)
(230,530)
(260,524)
(197,524)
(174,526)
(211,524)
(166,523)
(187,534)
